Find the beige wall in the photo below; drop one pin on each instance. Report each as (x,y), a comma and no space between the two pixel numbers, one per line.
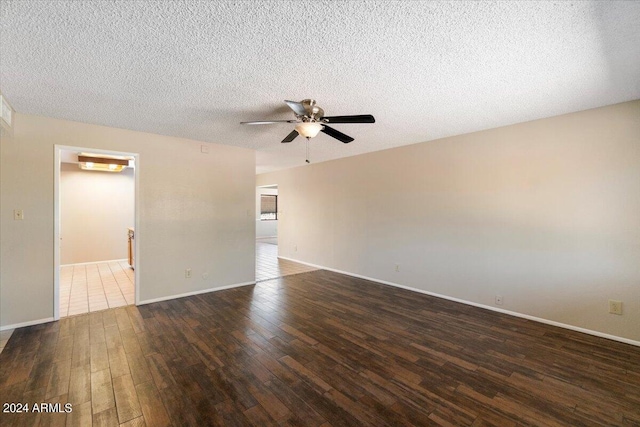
(95,210)
(196,211)
(544,213)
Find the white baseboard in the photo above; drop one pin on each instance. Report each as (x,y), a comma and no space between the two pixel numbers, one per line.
(475,304)
(188,294)
(30,323)
(94,262)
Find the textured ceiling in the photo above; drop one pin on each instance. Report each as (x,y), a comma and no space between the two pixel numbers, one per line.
(425,70)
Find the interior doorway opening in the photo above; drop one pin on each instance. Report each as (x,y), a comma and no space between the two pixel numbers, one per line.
(95,230)
(267,214)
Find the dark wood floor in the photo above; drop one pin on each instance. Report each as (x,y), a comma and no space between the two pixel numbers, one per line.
(317,349)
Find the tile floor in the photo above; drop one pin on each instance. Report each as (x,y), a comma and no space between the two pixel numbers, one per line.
(93,287)
(268,266)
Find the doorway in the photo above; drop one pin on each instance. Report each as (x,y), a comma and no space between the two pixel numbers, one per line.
(96,211)
(267,214)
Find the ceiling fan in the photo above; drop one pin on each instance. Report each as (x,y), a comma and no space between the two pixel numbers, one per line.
(310,120)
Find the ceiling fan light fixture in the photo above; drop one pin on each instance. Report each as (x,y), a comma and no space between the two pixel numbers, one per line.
(309,129)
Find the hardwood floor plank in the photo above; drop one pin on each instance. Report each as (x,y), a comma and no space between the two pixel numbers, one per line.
(81,353)
(269,402)
(229,413)
(102,397)
(301,412)
(136,319)
(99,356)
(160,371)
(59,379)
(54,419)
(118,363)
(127,404)
(151,405)
(80,416)
(136,422)
(64,349)
(106,418)
(258,417)
(122,318)
(80,384)
(318,349)
(138,367)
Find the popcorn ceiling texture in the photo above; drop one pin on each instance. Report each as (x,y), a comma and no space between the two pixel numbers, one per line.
(425,70)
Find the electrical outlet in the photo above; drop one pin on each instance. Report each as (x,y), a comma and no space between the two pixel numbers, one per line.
(295,248)
(615,307)
(187,273)
(499,300)
(397,268)
(205,276)
(18,214)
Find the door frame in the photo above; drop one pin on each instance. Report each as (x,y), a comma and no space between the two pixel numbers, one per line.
(58,149)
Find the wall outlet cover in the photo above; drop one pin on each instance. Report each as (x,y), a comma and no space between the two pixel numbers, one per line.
(615,307)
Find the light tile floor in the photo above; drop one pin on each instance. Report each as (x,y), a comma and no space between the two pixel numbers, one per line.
(269,266)
(93,287)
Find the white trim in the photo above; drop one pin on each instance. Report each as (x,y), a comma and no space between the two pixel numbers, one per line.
(94,262)
(475,304)
(29,323)
(137,227)
(57,154)
(188,294)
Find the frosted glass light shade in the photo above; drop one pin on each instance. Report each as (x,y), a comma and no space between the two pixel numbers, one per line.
(308,129)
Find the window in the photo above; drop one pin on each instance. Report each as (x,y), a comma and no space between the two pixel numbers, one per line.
(268,207)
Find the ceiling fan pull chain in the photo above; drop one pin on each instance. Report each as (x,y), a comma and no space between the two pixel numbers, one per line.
(308,150)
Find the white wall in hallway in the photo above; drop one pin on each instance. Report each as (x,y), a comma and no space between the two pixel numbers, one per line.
(95,210)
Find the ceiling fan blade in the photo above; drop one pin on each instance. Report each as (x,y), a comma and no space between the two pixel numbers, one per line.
(362,118)
(268,122)
(336,134)
(297,108)
(294,133)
